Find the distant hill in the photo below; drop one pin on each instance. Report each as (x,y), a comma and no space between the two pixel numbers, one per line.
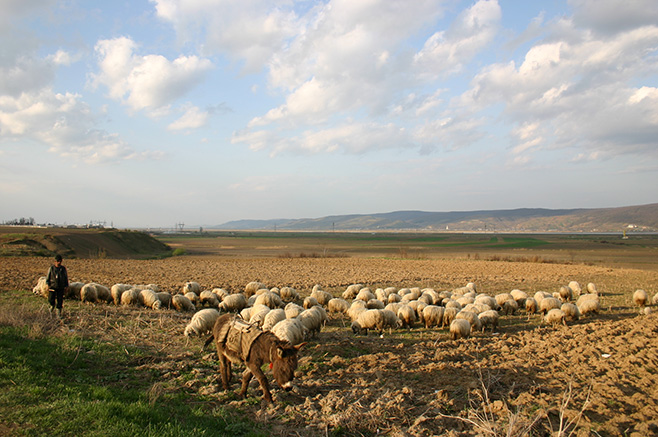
(79,243)
(642,218)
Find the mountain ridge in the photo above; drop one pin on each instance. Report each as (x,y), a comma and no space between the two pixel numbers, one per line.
(635,218)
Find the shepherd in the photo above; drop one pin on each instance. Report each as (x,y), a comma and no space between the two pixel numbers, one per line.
(238,341)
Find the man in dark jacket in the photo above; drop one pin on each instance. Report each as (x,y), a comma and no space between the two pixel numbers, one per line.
(58,282)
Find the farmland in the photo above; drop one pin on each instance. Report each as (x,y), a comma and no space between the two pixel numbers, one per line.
(594,376)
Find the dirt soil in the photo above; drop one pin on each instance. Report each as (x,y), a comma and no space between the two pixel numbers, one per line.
(596,376)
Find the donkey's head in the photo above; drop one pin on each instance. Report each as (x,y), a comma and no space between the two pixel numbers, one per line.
(284,364)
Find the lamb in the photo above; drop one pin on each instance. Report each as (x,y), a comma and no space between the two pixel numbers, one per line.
(182,303)
(489,318)
(202,322)
(407,316)
(338,305)
(565,294)
(251,288)
(130,297)
(191,287)
(531,305)
(571,311)
(272,318)
(640,298)
(555,316)
(207,297)
(116,290)
(460,328)
(149,299)
(290,330)
(233,303)
(433,315)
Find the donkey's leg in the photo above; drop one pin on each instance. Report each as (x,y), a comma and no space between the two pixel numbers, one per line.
(246,377)
(262,380)
(225,370)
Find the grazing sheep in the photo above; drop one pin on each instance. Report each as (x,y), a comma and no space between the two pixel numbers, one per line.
(293,310)
(486,300)
(312,320)
(41,289)
(272,318)
(501,298)
(270,299)
(591,288)
(460,328)
(640,298)
(375,304)
(165,298)
(565,294)
(233,303)
(309,302)
(548,303)
(509,307)
(489,318)
(149,299)
(220,293)
(88,293)
(393,298)
(449,315)
(74,290)
(191,287)
(571,311)
(258,314)
(407,316)
(130,297)
(519,296)
(207,297)
(290,330)
(472,318)
(251,288)
(338,305)
(202,322)
(357,307)
(365,295)
(182,303)
(369,320)
(322,297)
(433,315)
(395,306)
(575,289)
(531,305)
(391,319)
(351,291)
(555,316)
(193,297)
(540,295)
(588,303)
(288,294)
(116,290)
(453,304)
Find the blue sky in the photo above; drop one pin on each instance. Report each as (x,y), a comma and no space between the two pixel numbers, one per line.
(151,113)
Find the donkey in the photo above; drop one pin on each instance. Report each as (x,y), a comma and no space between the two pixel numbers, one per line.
(264,347)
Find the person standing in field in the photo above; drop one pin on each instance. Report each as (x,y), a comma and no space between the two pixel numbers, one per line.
(58,283)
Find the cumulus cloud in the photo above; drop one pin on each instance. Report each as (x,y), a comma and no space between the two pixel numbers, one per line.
(147,82)
(193,118)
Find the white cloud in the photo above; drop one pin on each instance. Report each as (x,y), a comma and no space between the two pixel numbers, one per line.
(611,16)
(148,82)
(193,118)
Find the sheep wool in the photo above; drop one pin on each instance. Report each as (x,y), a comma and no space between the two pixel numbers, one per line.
(292,310)
(407,316)
(290,330)
(433,315)
(191,287)
(489,318)
(460,328)
(640,298)
(251,288)
(555,316)
(233,303)
(338,305)
(369,320)
(207,297)
(165,298)
(88,293)
(571,311)
(272,318)
(588,303)
(116,290)
(323,297)
(202,322)
(130,297)
(150,299)
(182,303)
(548,303)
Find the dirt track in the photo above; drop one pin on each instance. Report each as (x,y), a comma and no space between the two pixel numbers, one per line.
(416,383)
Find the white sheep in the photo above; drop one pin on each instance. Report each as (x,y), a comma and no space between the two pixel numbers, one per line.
(149,299)
(654,300)
(272,318)
(233,303)
(338,305)
(182,303)
(531,305)
(501,298)
(41,289)
(116,290)
(351,291)
(312,320)
(391,319)
(202,322)
(433,315)
(88,293)
(486,300)
(288,294)
(220,293)
(565,293)
(640,298)
(519,296)
(310,301)
(449,315)
(588,303)
(130,297)
(575,289)
(293,310)
(571,311)
(375,304)
(369,320)
(365,295)
(509,307)
(591,288)
(165,298)
(472,318)
(407,316)
(489,318)
(555,316)
(548,303)
(207,297)
(394,298)
(323,297)
(270,299)
(74,290)
(251,288)
(356,308)
(258,314)
(290,330)
(191,287)
(460,328)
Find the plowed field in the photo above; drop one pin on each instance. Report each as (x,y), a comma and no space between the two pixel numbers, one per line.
(596,376)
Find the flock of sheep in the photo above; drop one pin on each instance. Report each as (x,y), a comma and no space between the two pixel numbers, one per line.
(294,318)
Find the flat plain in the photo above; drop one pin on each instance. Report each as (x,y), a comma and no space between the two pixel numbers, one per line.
(595,376)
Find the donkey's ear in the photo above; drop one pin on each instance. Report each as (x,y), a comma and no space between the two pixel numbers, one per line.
(279,352)
(299,346)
